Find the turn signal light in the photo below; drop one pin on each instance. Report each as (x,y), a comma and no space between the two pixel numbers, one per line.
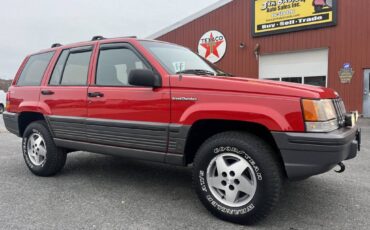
(310,110)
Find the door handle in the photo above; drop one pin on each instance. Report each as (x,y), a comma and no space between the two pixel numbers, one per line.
(95,94)
(47,92)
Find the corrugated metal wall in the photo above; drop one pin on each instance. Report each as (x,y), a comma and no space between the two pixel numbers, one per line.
(347,42)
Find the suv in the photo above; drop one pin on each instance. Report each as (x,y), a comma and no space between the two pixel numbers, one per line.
(160,102)
(2,101)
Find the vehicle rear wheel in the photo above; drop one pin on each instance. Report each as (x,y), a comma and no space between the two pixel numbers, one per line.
(1,108)
(237,177)
(40,153)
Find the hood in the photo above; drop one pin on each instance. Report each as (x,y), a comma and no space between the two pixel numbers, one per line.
(250,85)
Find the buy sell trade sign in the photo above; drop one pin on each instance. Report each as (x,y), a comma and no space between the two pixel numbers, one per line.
(281,16)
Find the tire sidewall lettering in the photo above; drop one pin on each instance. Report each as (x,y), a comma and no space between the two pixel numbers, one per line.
(212,201)
(223,149)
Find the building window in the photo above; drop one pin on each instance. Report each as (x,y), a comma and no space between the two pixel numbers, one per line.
(292,79)
(317,81)
(307,80)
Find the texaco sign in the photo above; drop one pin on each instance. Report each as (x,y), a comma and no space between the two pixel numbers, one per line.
(212,46)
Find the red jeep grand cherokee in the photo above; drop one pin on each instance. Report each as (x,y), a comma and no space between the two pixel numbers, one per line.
(161,102)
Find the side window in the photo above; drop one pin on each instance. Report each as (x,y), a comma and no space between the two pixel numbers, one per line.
(58,69)
(76,69)
(114,66)
(34,70)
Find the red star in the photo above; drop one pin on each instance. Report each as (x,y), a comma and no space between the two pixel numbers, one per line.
(212,46)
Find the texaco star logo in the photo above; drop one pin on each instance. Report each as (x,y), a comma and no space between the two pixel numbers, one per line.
(212,46)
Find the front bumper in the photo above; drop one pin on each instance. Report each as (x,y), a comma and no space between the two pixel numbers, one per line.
(308,154)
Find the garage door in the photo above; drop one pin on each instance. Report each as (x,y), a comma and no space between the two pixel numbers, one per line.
(306,67)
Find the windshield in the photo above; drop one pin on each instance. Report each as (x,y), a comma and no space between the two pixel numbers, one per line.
(180,60)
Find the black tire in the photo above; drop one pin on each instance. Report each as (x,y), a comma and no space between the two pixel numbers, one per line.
(263,161)
(1,108)
(55,157)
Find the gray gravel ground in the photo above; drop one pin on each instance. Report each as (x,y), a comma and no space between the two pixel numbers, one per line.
(103,192)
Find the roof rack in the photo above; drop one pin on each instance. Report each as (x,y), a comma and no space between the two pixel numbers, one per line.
(56,45)
(129,37)
(98,37)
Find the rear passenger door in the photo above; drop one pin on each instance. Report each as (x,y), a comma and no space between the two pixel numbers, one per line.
(121,114)
(65,95)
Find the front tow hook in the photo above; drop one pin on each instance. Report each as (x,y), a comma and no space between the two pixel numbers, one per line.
(342,168)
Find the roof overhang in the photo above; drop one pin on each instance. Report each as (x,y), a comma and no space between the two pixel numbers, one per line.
(190,18)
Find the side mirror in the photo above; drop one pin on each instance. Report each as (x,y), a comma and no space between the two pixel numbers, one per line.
(144,77)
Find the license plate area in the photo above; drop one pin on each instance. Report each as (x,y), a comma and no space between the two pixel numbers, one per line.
(351,119)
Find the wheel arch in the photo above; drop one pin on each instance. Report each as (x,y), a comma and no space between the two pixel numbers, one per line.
(27,117)
(201,130)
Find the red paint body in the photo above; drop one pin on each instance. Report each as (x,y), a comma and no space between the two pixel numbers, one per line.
(275,105)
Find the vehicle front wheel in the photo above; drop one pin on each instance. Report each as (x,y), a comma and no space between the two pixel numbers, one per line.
(40,153)
(237,177)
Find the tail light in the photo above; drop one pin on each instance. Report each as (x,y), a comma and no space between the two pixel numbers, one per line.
(7,103)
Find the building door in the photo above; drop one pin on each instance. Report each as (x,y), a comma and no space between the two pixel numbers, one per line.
(366,108)
(305,67)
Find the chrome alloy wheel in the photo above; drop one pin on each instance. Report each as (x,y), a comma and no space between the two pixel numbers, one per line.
(231,179)
(36,149)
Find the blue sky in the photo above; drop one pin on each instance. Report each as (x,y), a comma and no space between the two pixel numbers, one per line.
(28,26)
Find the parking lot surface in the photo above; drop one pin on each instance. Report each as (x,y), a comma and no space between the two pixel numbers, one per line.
(103,192)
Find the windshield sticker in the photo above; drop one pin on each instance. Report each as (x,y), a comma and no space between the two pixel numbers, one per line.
(179,66)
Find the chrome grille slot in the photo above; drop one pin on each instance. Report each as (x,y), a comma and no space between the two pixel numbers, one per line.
(340,109)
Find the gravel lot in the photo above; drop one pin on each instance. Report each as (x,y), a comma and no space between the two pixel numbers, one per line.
(103,192)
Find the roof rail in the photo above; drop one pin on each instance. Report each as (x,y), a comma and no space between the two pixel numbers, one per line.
(98,37)
(56,45)
(129,37)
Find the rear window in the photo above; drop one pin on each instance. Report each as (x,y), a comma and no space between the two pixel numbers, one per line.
(76,70)
(34,70)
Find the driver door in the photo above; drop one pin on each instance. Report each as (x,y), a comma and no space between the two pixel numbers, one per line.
(123,115)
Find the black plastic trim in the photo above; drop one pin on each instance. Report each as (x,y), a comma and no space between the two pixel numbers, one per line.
(165,138)
(11,122)
(81,49)
(112,150)
(308,154)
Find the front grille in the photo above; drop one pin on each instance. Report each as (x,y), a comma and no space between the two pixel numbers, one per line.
(340,109)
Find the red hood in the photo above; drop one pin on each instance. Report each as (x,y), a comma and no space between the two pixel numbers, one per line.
(250,85)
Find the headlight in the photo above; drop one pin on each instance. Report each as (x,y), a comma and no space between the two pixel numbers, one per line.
(319,115)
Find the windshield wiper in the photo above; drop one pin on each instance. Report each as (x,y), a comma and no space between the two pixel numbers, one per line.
(223,74)
(196,71)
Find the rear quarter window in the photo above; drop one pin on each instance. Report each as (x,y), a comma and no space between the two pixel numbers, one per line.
(34,69)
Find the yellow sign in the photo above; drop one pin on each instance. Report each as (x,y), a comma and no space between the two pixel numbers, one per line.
(281,16)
